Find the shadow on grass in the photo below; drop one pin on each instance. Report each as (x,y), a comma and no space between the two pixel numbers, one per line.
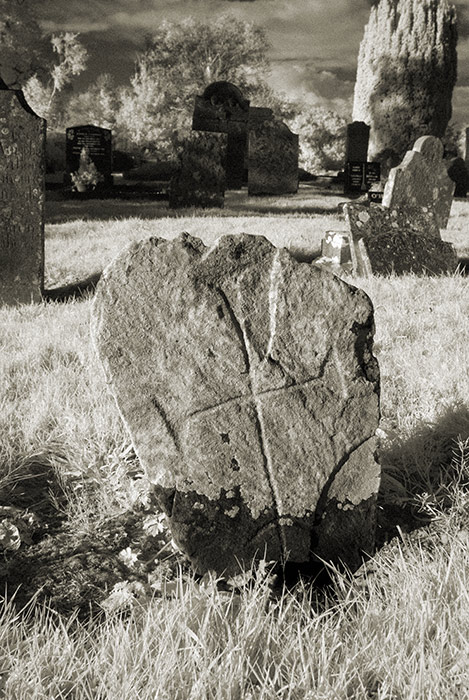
(306,202)
(424,463)
(72,292)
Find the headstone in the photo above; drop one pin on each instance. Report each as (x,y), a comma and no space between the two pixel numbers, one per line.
(356,144)
(99,144)
(385,241)
(359,177)
(421,181)
(200,180)
(22,194)
(459,174)
(223,109)
(249,387)
(272,158)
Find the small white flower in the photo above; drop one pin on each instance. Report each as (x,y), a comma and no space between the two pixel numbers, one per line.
(9,536)
(128,557)
(155,524)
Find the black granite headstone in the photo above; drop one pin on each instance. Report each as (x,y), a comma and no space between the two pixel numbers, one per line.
(99,144)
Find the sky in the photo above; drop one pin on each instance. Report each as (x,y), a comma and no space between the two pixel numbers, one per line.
(313,43)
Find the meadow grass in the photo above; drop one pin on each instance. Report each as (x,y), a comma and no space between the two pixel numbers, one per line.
(396,629)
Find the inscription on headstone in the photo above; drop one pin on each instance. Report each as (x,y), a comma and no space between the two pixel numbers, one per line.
(22,168)
(360,176)
(99,144)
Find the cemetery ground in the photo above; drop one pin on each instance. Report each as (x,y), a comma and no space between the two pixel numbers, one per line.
(144,627)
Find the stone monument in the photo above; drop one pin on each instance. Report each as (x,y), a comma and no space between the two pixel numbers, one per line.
(99,144)
(399,241)
(272,159)
(421,181)
(222,109)
(22,195)
(248,385)
(200,180)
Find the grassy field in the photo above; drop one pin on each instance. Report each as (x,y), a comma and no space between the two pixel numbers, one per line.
(71,493)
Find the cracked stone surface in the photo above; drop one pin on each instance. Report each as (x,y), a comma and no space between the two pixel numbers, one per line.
(249,388)
(397,241)
(421,181)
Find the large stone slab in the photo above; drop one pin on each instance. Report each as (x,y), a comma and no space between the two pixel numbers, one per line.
(249,387)
(421,181)
(397,241)
(22,195)
(201,179)
(272,158)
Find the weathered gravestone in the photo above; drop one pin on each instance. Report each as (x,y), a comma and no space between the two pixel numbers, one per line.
(272,158)
(200,180)
(459,174)
(99,144)
(223,109)
(421,181)
(399,241)
(22,169)
(249,387)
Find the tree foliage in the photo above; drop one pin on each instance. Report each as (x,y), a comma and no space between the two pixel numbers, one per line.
(21,43)
(99,104)
(322,138)
(179,61)
(406,73)
(44,96)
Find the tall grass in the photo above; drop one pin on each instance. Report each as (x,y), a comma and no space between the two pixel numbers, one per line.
(396,629)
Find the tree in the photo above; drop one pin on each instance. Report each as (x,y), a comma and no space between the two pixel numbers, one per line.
(178,62)
(406,74)
(21,42)
(98,104)
(44,95)
(322,138)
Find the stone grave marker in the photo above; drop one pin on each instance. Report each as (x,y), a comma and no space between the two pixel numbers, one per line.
(272,158)
(385,241)
(99,143)
(200,180)
(359,177)
(22,195)
(421,181)
(356,143)
(459,174)
(248,385)
(222,109)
